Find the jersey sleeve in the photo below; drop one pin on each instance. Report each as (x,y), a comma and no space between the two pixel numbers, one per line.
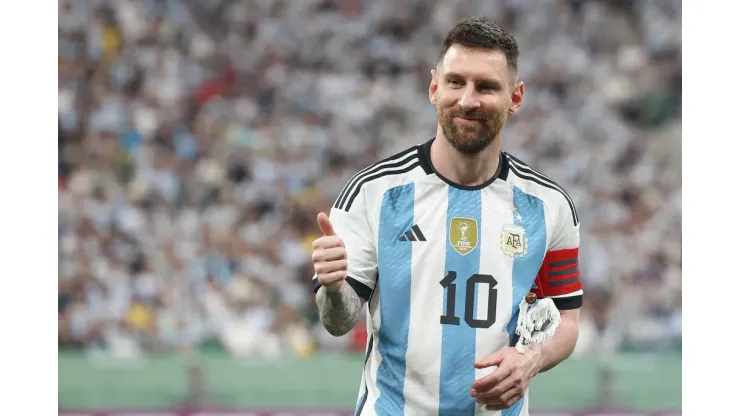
(559,277)
(353,227)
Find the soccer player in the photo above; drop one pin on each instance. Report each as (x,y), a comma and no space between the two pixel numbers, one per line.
(443,241)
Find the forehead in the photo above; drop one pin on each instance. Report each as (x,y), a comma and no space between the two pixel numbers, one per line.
(475,62)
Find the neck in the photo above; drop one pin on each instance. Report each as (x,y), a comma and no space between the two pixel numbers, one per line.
(463,169)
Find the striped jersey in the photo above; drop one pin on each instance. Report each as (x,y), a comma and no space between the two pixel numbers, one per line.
(443,268)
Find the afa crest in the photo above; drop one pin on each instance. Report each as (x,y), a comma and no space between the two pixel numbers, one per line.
(514,241)
(464,235)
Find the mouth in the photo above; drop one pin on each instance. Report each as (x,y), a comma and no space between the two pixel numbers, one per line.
(468,120)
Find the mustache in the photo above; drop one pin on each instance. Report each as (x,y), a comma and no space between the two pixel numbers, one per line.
(471,115)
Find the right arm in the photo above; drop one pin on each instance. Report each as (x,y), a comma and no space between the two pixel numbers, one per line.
(346,266)
(339,308)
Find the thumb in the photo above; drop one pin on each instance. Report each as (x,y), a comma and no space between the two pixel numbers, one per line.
(493,359)
(325,224)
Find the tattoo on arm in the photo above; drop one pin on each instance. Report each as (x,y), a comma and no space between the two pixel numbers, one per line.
(339,310)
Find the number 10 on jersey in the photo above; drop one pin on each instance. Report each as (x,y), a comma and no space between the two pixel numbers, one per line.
(450,287)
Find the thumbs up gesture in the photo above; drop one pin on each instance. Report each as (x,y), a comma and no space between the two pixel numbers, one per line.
(329,256)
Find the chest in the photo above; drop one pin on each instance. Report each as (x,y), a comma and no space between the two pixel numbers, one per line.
(461,259)
(441,227)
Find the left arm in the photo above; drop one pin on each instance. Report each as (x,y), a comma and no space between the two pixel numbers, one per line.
(559,279)
(555,350)
(507,384)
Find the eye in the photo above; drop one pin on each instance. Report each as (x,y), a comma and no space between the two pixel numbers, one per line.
(488,88)
(456,82)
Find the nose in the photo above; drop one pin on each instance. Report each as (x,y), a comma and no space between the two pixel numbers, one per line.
(469,99)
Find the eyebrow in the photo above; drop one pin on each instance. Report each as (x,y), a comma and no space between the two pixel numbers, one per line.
(484,81)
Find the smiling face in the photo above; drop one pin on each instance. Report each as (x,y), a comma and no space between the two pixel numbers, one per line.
(474,91)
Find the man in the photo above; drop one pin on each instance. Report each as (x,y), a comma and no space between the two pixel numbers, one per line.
(443,241)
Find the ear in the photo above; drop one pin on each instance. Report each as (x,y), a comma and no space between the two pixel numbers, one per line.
(433,88)
(517,98)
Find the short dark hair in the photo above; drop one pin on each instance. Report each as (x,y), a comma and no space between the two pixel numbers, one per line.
(479,32)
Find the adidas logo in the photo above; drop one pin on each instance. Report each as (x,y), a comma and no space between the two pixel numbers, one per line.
(414,234)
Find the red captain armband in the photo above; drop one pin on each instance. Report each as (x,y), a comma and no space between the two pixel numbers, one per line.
(560,279)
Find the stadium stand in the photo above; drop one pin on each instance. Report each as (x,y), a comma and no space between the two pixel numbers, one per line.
(198,140)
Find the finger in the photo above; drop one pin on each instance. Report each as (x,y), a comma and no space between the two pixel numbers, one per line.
(491,360)
(511,396)
(498,390)
(327,242)
(328,254)
(327,267)
(486,383)
(509,399)
(326,228)
(333,277)
(491,403)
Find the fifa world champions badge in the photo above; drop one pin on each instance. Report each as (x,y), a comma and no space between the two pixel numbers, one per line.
(538,319)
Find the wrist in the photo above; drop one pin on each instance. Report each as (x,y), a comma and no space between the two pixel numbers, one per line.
(334,287)
(536,358)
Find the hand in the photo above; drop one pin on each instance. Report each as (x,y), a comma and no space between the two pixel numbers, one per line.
(329,256)
(507,383)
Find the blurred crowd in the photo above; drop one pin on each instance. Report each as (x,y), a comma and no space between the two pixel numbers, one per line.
(198,140)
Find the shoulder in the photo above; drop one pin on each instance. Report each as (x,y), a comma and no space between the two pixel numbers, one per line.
(391,171)
(538,184)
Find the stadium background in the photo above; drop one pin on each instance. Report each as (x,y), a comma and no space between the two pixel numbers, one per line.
(198,140)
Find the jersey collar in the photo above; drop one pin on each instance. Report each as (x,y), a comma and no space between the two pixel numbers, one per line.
(426,163)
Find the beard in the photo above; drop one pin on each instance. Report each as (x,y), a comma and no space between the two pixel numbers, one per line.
(471,138)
